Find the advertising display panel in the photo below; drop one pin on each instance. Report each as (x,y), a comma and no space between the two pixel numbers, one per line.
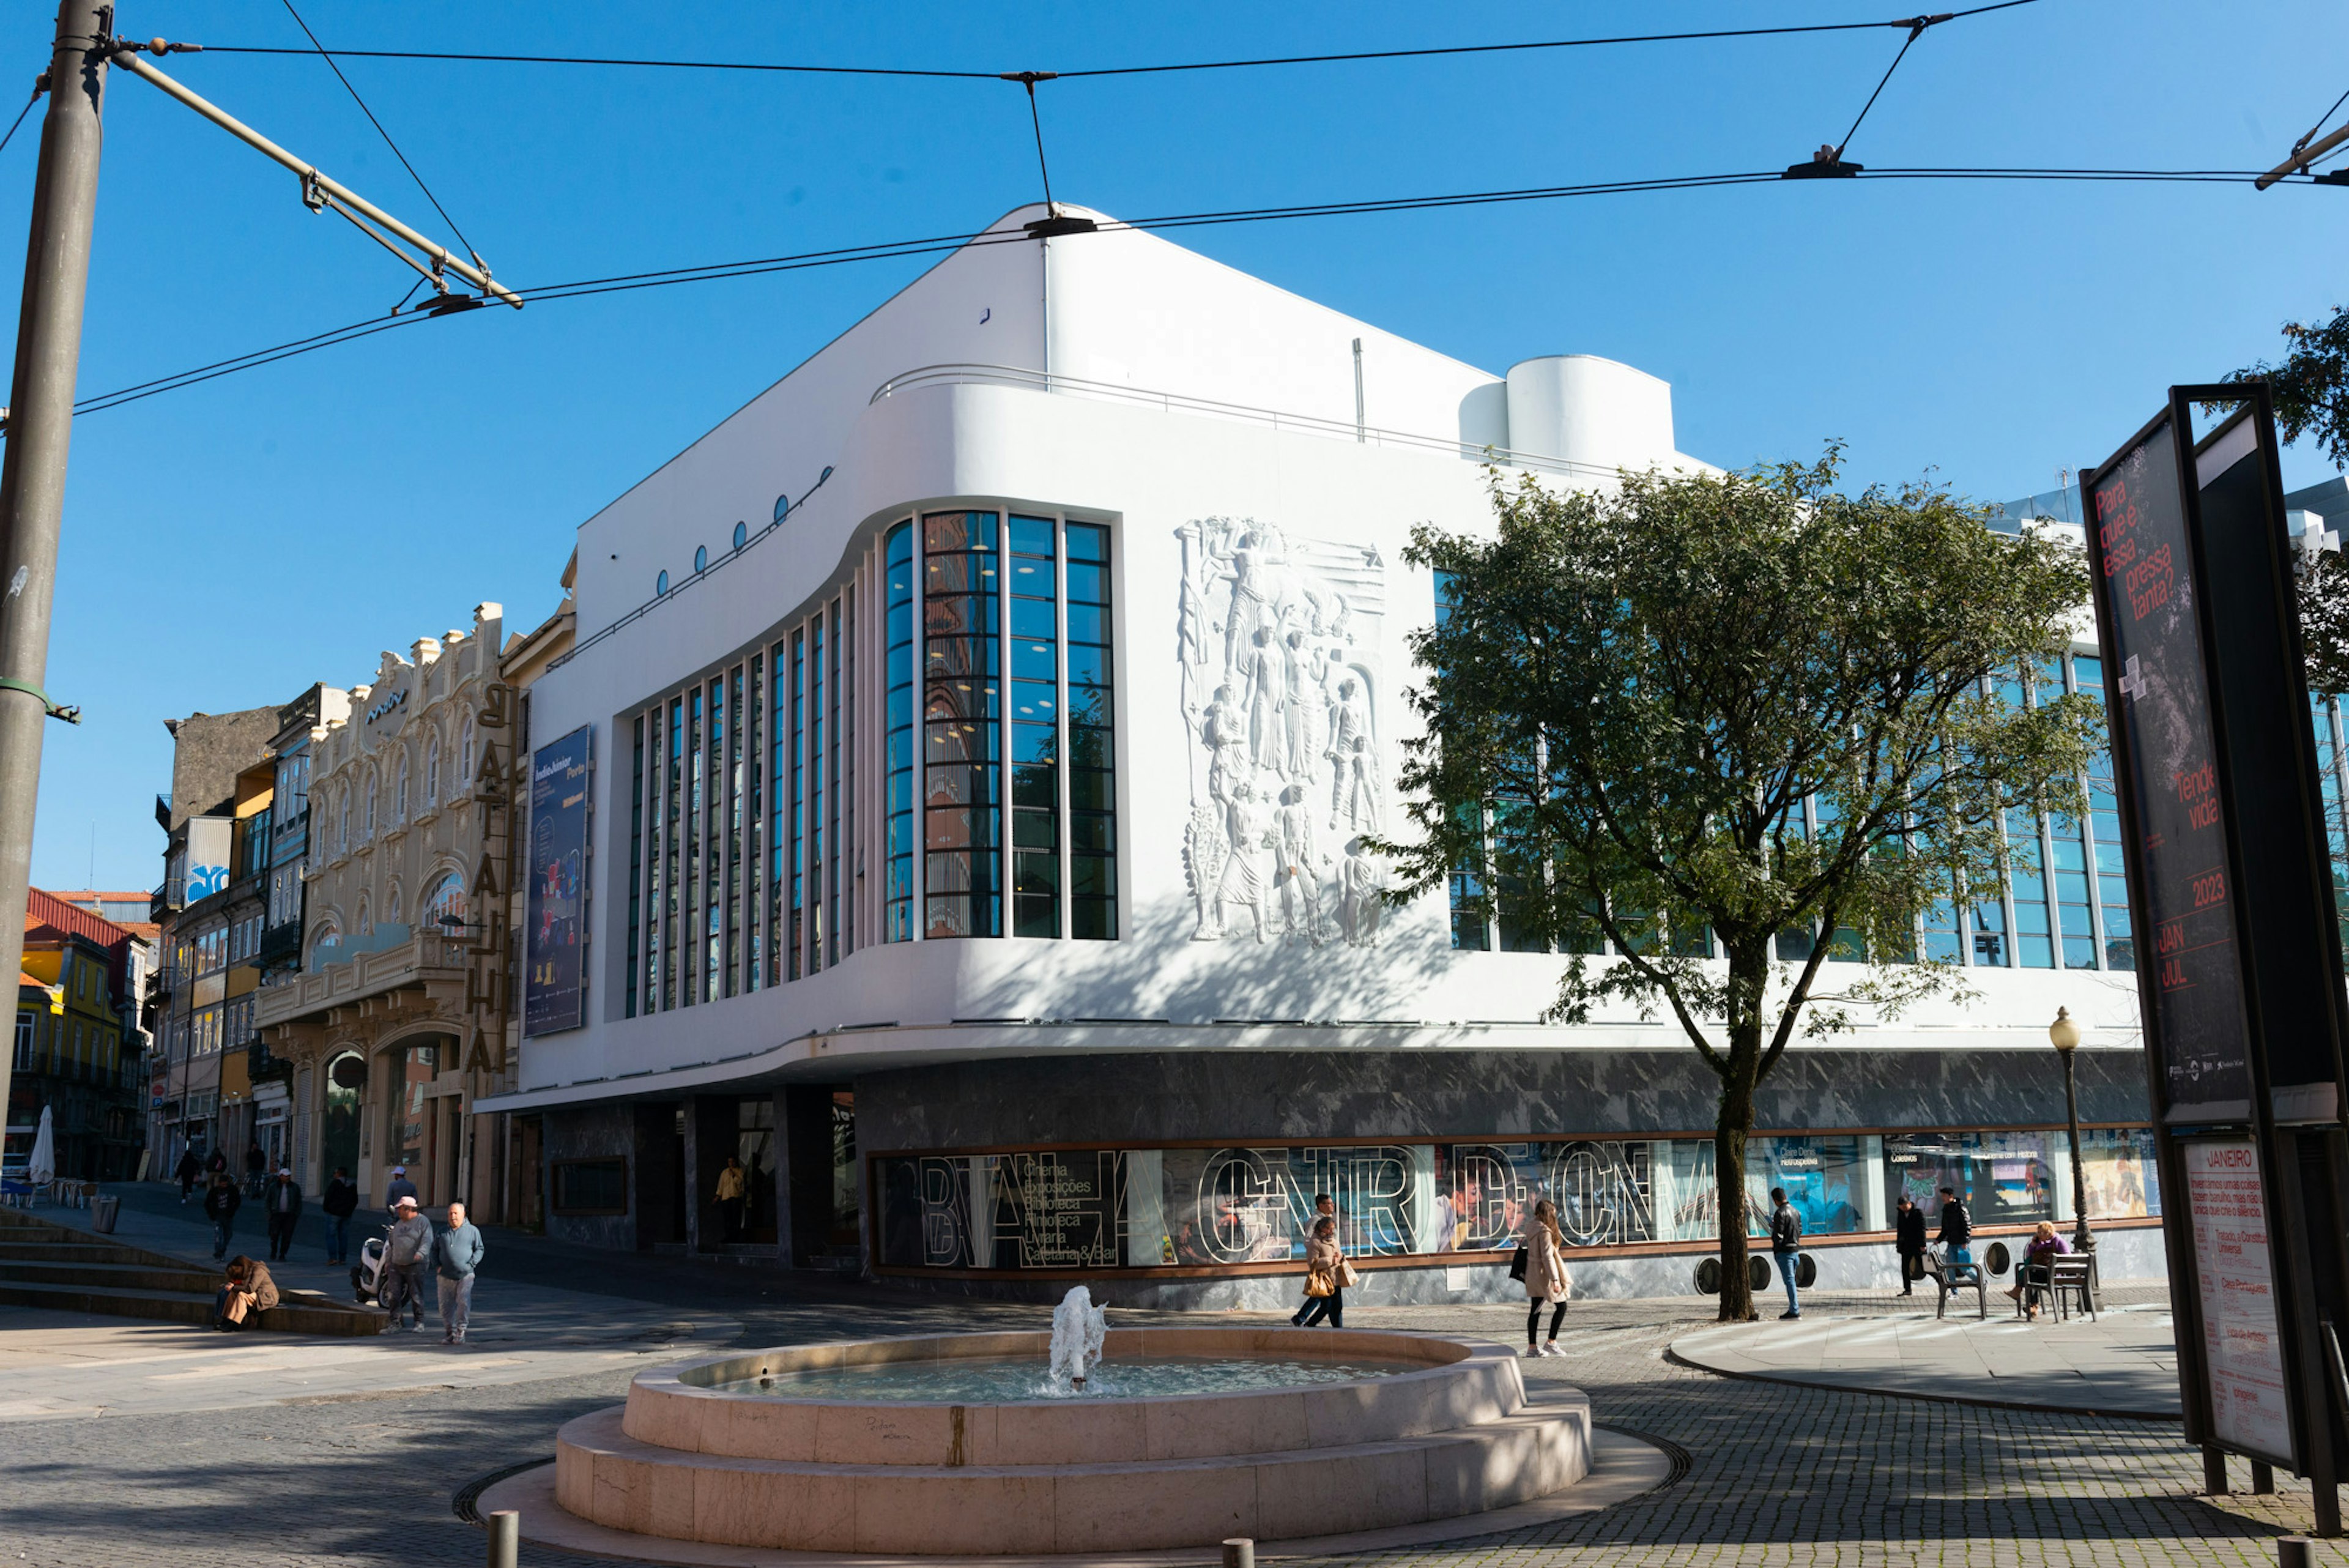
(554,957)
(2234,1263)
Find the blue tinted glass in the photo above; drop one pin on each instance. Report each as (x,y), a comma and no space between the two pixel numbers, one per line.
(660,584)
(1088,542)
(783,507)
(1031,536)
(701,558)
(741,535)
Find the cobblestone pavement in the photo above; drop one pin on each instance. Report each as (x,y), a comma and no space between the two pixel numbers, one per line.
(1776,1475)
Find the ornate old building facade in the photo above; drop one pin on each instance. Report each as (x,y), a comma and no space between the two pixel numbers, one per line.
(396,1019)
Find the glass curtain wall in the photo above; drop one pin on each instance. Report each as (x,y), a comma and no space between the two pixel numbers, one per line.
(897,757)
(1035,727)
(1092,756)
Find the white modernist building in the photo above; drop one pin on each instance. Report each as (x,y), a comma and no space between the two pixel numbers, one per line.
(952,809)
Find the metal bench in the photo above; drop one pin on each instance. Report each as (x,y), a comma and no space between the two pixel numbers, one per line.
(1950,1278)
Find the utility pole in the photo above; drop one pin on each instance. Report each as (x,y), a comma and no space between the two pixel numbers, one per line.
(39,431)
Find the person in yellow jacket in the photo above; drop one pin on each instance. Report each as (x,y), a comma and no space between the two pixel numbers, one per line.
(729,1198)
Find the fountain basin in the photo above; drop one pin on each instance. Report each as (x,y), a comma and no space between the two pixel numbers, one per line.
(1446,1430)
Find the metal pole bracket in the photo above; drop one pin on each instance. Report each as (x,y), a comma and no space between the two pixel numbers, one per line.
(70,713)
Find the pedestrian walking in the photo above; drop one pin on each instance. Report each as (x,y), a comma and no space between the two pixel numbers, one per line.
(729,1199)
(1785,1246)
(246,1293)
(1324,1286)
(284,1202)
(456,1254)
(341,1201)
(256,1169)
(1546,1281)
(218,1164)
(1909,1240)
(407,1258)
(397,1188)
(187,1171)
(1310,1309)
(222,1201)
(1957,1229)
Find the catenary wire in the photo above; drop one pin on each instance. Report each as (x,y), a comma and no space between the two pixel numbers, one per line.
(19,120)
(1363,55)
(1906,44)
(380,130)
(715,272)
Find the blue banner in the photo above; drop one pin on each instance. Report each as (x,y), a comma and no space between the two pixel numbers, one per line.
(555,973)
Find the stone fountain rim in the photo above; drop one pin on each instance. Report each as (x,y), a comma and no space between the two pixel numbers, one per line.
(1458,1354)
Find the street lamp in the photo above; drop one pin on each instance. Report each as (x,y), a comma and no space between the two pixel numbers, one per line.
(2065,1035)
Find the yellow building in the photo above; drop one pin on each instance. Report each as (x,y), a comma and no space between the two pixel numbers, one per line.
(69,1058)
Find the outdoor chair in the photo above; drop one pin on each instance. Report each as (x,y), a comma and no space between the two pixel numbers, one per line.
(1950,1278)
(2073,1279)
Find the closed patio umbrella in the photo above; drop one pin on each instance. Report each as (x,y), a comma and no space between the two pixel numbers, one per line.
(42,1168)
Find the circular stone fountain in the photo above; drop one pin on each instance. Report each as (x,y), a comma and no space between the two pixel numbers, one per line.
(963,1445)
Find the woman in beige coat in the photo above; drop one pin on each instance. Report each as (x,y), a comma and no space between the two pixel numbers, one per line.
(1545,1277)
(1325,1295)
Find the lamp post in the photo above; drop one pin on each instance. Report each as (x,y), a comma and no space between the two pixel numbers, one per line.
(2065,1035)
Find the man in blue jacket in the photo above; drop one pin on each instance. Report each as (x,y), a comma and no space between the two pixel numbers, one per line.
(456,1253)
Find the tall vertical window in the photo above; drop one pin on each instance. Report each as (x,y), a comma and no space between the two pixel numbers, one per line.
(961,717)
(635,853)
(897,734)
(1465,886)
(1092,753)
(818,728)
(755,822)
(796,828)
(670,910)
(688,951)
(779,798)
(734,781)
(851,852)
(1035,727)
(831,844)
(655,884)
(713,844)
(2104,827)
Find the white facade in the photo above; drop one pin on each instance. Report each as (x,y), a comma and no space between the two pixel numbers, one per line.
(1258,463)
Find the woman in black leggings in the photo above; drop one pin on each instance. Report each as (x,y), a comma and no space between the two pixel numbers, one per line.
(1545,1277)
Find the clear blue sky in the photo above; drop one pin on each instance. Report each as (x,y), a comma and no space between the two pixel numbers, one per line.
(227,545)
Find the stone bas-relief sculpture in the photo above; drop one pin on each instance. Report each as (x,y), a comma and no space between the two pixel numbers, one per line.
(1278,639)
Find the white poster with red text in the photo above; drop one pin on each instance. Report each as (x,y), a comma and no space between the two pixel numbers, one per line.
(2234,1260)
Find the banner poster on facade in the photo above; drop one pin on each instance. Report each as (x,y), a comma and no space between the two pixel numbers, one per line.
(2235,1268)
(554,952)
(207,858)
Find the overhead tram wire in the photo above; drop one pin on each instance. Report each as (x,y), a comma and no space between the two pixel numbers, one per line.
(1352,56)
(940,245)
(380,130)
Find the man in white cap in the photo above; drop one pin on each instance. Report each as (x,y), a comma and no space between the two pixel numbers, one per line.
(397,1188)
(284,1202)
(407,1258)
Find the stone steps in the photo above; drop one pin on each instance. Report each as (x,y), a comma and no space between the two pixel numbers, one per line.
(57,1269)
(608,1477)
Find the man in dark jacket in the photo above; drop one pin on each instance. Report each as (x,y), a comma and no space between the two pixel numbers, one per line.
(257,1168)
(1957,1232)
(284,1201)
(1909,1240)
(187,1171)
(1786,1246)
(397,1188)
(340,1202)
(218,1164)
(220,1203)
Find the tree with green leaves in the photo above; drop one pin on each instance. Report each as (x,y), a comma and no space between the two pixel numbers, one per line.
(2311,388)
(1630,698)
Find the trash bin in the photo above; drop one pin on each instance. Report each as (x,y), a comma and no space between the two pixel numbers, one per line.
(102,1210)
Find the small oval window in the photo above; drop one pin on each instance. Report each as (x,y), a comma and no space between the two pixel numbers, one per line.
(783,507)
(741,535)
(701,559)
(660,584)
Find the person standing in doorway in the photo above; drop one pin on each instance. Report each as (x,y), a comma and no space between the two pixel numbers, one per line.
(221,1204)
(284,1201)
(407,1258)
(1333,1305)
(1909,1241)
(1546,1280)
(1785,1246)
(729,1200)
(187,1171)
(340,1202)
(456,1253)
(1957,1230)
(397,1188)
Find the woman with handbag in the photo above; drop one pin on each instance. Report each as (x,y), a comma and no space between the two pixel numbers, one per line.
(1543,1249)
(1327,1275)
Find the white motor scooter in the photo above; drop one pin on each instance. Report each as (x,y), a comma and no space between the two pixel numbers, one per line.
(367,1274)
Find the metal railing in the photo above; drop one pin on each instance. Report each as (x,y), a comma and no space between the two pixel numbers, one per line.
(1181,403)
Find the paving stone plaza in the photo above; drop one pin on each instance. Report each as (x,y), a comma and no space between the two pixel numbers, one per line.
(129,1443)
